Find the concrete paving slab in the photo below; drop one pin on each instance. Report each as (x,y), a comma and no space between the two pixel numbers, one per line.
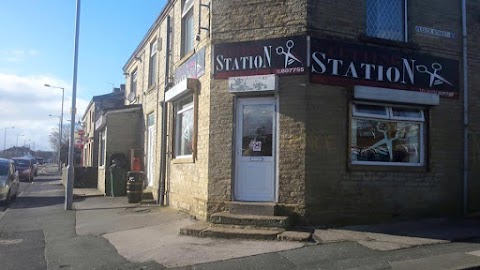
(164,245)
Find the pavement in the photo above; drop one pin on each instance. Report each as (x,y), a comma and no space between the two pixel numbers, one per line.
(120,235)
(142,233)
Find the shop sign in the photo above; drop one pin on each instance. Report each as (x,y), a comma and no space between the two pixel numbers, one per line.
(193,68)
(335,62)
(252,83)
(280,56)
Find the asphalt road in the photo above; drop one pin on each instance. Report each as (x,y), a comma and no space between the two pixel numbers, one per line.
(37,233)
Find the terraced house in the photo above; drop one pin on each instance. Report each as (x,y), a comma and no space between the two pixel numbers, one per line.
(329,112)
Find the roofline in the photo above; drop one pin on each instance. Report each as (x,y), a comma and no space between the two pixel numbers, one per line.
(94,99)
(159,19)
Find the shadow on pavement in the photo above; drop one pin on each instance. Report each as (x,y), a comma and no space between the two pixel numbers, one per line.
(449,229)
(35,202)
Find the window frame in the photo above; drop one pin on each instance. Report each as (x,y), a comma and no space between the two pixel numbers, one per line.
(102,148)
(404,14)
(152,64)
(187,16)
(422,136)
(133,81)
(190,106)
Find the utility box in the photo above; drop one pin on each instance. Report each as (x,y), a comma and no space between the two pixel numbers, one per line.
(118,175)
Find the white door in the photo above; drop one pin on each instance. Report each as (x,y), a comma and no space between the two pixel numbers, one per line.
(150,149)
(255,150)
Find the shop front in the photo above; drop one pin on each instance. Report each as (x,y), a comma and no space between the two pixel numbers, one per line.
(335,131)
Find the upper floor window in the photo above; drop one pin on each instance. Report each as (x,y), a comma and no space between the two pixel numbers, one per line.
(386,19)
(133,82)
(188,36)
(152,64)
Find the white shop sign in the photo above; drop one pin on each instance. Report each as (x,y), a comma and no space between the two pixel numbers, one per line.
(253,83)
(434,32)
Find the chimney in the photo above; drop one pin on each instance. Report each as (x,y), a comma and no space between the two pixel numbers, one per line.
(122,87)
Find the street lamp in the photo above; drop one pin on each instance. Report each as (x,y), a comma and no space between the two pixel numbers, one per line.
(61,121)
(5,138)
(16,145)
(60,124)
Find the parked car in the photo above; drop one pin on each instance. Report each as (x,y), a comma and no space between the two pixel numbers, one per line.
(26,167)
(9,181)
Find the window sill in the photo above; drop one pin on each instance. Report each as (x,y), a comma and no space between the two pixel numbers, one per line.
(186,57)
(387,168)
(388,42)
(183,160)
(150,88)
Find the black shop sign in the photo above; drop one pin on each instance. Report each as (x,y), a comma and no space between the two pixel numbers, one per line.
(340,63)
(280,56)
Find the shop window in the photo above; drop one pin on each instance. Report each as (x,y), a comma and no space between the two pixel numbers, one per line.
(387,135)
(386,19)
(184,126)
(152,64)
(188,36)
(102,136)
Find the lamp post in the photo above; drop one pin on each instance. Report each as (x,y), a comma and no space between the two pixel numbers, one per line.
(60,124)
(69,185)
(5,138)
(16,145)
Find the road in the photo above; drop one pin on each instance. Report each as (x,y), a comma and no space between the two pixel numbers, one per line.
(37,233)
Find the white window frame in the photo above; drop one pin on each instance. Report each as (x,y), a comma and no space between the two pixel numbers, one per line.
(405,21)
(187,14)
(133,81)
(152,64)
(103,148)
(366,116)
(177,131)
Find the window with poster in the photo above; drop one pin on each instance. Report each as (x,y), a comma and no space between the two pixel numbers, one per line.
(184,126)
(387,135)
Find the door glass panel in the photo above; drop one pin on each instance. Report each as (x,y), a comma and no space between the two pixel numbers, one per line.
(257,130)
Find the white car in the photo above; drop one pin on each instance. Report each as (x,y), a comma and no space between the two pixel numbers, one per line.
(9,181)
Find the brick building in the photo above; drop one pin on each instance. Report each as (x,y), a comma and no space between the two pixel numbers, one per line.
(328,111)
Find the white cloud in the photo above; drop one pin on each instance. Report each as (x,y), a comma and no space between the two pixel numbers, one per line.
(26,103)
(17,55)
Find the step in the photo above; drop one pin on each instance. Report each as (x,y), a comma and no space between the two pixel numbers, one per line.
(250,220)
(204,230)
(143,201)
(252,208)
(147,195)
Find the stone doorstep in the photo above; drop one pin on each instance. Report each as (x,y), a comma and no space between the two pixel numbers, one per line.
(250,220)
(203,229)
(252,208)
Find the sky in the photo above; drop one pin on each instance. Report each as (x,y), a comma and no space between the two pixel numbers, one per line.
(37,48)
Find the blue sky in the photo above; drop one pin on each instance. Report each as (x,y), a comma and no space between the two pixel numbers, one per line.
(36,48)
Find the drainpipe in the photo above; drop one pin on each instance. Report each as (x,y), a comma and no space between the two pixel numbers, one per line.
(163,161)
(465,108)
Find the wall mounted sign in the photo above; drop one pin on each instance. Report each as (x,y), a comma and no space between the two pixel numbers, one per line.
(274,56)
(193,68)
(340,63)
(253,83)
(434,32)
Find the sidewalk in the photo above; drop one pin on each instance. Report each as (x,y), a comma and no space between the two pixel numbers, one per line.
(143,233)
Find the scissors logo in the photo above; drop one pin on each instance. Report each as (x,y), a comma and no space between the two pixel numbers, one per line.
(435,79)
(289,57)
